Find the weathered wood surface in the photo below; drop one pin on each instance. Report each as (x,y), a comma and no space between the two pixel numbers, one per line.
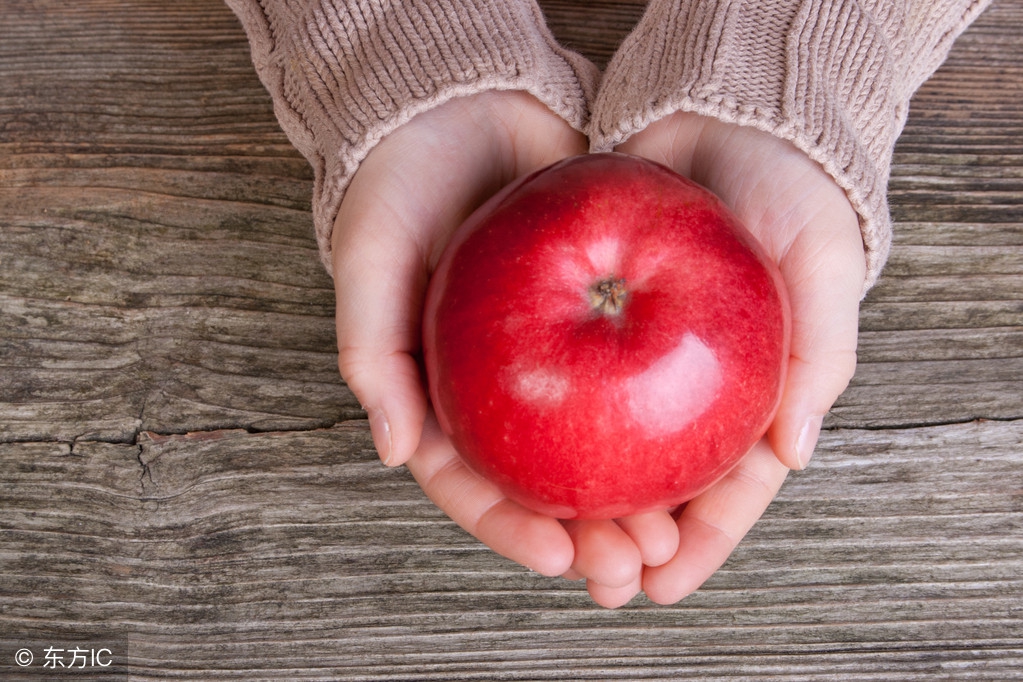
(185,480)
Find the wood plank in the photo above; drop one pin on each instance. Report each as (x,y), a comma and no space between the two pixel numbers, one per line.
(596,30)
(151,176)
(186,481)
(170,553)
(940,335)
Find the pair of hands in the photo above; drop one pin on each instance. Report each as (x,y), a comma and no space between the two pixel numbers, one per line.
(426,177)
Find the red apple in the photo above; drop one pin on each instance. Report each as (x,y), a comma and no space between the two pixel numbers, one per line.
(603,338)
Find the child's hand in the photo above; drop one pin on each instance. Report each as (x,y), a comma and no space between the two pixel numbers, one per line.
(807,225)
(423,180)
(408,196)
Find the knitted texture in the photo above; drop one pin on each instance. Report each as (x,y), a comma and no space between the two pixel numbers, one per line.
(345,73)
(834,77)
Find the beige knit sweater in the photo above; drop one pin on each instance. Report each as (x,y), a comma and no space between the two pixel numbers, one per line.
(832,76)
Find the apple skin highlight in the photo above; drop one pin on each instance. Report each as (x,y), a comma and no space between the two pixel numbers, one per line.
(604,338)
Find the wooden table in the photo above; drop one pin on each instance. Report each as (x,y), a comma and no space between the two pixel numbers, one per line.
(186,483)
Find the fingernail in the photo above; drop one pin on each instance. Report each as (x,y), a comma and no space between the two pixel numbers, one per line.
(380,428)
(807,440)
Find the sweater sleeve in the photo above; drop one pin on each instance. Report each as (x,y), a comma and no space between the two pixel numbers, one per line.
(344,73)
(834,77)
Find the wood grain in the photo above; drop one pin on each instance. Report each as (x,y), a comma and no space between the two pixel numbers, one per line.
(175,552)
(186,481)
(595,29)
(156,233)
(942,334)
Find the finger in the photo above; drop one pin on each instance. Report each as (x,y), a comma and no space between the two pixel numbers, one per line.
(536,541)
(824,271)
(654,533)
(604,553)
(380,282)
(408,196)
(614,597)
(712,524)
(397,210)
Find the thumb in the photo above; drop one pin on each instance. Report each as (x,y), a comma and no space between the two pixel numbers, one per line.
(416,185)
(379,281)
(409,194)
(824,271)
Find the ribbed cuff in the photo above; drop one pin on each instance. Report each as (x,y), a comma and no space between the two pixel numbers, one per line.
(345,73)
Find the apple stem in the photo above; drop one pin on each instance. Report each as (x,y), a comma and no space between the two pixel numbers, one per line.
(607,296)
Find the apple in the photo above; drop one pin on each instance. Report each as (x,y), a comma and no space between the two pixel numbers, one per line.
(603,338)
